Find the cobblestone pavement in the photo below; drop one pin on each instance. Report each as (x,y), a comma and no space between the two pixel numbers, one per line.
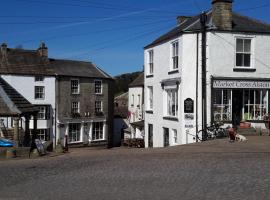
(212,170)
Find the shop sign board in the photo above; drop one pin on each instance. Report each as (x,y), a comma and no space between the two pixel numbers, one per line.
(237,84)
(189,106)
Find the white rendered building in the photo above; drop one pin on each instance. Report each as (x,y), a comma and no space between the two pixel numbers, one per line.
(136,107)
(237,75)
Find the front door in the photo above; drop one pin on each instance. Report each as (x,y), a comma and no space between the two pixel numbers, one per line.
(237,105)
(166,137)
(150,135)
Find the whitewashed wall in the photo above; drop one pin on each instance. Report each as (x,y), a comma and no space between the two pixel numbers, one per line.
(162,58)
(136,109)
(25,85)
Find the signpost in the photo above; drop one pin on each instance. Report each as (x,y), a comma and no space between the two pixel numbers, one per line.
(189,113)
(40,147)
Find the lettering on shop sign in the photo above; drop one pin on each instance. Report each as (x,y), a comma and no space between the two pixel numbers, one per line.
(189,106)
(241,84)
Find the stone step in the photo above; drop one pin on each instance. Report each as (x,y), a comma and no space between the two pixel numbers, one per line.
(252,131)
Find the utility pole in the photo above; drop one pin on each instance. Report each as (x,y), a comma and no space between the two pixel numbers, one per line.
(203,20)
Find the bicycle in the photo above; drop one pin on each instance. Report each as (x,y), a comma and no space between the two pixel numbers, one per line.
(214,131)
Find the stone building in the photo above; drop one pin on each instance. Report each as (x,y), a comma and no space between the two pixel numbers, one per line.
(74,98)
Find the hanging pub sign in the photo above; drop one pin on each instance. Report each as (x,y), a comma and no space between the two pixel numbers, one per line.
(189,106)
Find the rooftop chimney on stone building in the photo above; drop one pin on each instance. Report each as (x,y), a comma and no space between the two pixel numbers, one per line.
(4,49)
(222,14)
(43,50)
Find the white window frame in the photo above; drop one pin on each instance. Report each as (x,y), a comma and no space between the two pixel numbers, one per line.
(222,111)
(251,52)
(100,131)
(168,108)
(175,136)
(77,133)
(42,111)
(41,93)
(41,134)
(254,109)
(75,105)
(39,78)
(95,86)
(174,55)
(150,98)
(75,87)
(132,103)
(150,62)
(101,106)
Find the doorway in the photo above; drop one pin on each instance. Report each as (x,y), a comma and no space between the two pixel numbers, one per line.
(150,135)
(166,137)
(237,105)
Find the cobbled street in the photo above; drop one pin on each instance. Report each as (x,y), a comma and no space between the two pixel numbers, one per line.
(212,170)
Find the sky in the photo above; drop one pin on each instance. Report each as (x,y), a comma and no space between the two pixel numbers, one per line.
(109,33)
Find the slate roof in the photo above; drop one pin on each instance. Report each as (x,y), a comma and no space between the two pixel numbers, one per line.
(77,68)
(29,62)
(240,24)
(19,61)
(138,82)
(12,103)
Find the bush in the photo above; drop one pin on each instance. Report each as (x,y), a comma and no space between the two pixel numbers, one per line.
(136,142)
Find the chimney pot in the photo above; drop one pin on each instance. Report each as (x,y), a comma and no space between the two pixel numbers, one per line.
(4,49)
(43,50)
(222,14)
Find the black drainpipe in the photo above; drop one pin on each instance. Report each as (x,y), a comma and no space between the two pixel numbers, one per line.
(197,71)
(203,20)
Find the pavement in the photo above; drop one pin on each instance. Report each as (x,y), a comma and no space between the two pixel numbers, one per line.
(214,169)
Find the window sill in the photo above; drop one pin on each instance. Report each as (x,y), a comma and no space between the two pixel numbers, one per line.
(150,76)
(244,69)
(75,142)
(173,71)
(149,111)
(99,140)
(171,118)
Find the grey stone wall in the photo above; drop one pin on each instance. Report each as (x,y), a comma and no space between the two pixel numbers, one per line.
(87,98)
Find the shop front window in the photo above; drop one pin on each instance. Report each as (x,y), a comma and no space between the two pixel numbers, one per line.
(255,104)
(222,105)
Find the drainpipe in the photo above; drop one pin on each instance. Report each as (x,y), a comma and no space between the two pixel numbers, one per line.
(197,71)
(203,20)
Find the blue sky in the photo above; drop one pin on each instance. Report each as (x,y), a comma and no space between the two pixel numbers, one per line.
(109,33)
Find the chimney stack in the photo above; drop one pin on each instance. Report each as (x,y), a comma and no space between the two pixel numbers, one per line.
(181,19)
(43,50)
(222,14)
(4,49)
